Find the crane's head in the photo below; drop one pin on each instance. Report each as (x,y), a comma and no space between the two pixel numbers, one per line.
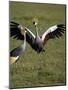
(22,28)
(35,21)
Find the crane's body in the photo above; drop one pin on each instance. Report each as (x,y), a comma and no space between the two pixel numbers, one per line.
(38,45)
(15,53)
(38,42)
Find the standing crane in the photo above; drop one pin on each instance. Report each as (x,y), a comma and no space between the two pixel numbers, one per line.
(37,42)
(15,53)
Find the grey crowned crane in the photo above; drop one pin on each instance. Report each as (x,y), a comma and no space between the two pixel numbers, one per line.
(15,53)
(35,41)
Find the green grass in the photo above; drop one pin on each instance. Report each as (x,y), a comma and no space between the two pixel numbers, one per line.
(44,69)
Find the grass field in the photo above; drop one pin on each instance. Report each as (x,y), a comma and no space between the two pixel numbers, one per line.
(44,69)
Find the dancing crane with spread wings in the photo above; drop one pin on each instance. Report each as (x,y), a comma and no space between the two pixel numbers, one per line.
(36,42)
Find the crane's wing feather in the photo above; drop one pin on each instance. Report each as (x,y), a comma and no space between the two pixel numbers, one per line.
(15,31)
(52,32)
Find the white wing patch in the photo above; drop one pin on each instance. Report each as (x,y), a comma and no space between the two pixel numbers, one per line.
(51,29)
(30,32)
(13,59)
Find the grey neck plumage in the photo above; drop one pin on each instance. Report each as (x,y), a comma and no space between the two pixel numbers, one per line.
(24,44)
(37,34)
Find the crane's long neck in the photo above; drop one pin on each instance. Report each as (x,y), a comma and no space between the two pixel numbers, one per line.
(24,44)
(37,35)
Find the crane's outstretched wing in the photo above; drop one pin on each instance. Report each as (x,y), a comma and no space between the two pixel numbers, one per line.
(15,31)
(52,32)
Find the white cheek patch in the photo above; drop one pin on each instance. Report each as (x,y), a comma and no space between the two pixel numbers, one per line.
(21,27)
